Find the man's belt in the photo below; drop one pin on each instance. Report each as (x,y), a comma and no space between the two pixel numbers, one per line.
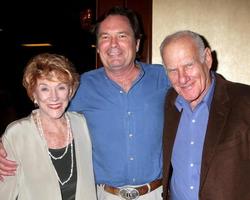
(130,193)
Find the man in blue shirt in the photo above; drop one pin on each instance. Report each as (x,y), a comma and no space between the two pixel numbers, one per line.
(123,103)
(207,126)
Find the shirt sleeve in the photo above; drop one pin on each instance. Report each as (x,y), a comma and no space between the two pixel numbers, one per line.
(77,101)
(9,187)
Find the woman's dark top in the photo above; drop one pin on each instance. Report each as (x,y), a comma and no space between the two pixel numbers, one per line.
(63,167)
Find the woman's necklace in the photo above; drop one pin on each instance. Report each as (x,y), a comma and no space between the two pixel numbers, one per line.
(69,137)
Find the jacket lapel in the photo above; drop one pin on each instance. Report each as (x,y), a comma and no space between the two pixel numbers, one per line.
(218,114)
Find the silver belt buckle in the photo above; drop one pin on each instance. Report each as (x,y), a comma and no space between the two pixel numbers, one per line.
(129,193)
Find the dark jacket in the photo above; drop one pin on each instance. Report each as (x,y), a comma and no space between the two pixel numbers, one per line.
(225,167)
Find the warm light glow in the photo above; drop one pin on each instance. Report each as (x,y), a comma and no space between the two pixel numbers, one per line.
(37,45)
(86,18)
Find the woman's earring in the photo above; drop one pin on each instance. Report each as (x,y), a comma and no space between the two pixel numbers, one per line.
(35,103)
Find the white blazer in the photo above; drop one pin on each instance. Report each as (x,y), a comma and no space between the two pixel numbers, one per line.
(35,177)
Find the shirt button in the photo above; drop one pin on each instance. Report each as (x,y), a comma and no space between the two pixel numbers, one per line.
(192,164)
(131,158)
(191,187)
(129,113)
(193,120)
(121,91)
(192,142)
(134,179)
(130,135)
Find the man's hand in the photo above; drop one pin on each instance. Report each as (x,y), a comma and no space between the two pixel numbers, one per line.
(7,167)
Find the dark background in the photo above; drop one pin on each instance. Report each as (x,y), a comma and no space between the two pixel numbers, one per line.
(54,22)
(59,23)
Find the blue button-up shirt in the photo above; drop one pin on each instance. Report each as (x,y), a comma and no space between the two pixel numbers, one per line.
(188,146)
(126,128)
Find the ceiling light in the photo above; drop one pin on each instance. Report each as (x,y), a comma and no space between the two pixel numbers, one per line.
(37,45)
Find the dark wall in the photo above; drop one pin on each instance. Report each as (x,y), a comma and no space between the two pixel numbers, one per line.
(56,22)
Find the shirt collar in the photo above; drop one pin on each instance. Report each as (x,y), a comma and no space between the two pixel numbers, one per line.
(138,64)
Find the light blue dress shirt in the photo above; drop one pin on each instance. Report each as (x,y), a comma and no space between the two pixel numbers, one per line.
(188,146)
(125,128)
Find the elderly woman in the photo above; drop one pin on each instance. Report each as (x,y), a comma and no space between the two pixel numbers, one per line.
(52,147)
